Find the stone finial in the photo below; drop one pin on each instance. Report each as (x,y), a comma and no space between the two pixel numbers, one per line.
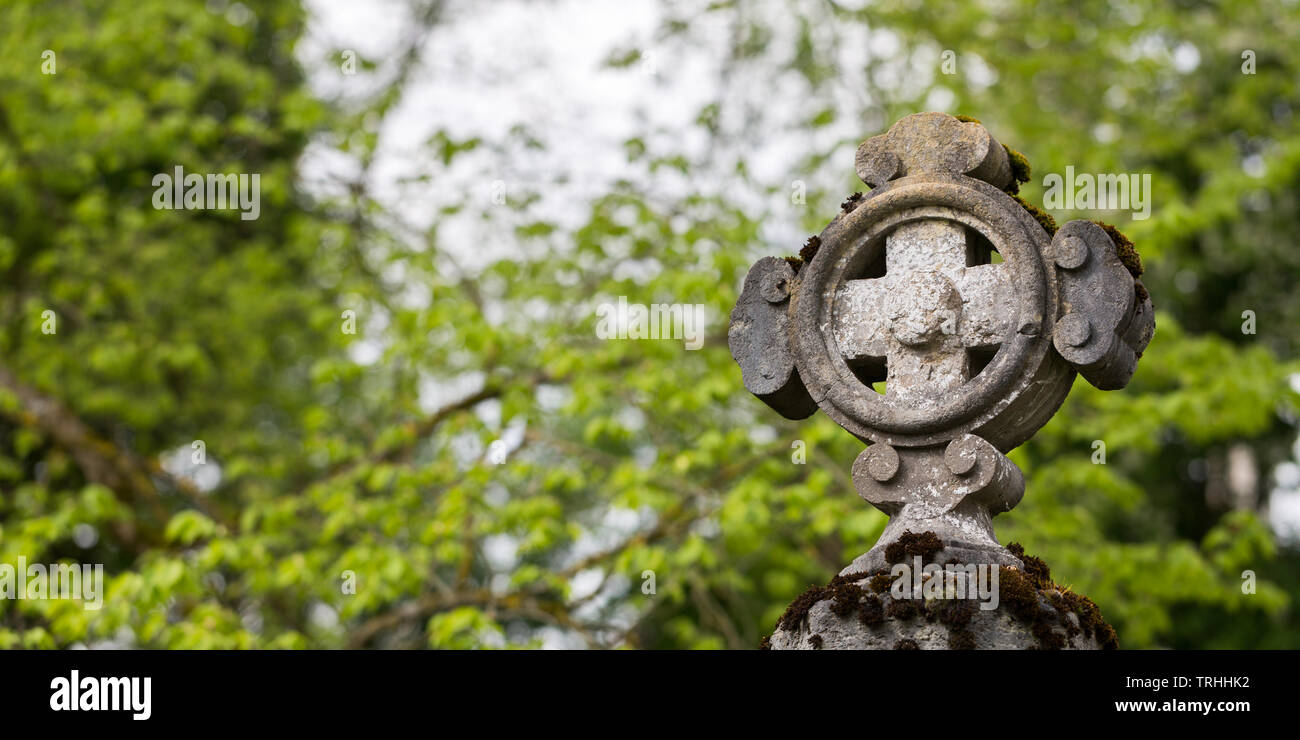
(975,353)
(934,143)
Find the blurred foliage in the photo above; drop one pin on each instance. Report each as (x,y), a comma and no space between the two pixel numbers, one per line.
(636,463)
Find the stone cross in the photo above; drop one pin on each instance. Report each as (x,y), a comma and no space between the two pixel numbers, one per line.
(975,317)
(922,318)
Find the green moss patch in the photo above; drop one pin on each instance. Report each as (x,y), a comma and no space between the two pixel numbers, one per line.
(1020,170)
(1042,217)
(1128,254)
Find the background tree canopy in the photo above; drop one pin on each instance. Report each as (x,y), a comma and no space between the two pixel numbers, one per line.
(473,254)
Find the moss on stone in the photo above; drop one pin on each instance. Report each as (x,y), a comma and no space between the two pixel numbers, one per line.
(1048,638)
(1027,596)
(1060,603)
(797,611)
(1018,594)
(843,589)
(1020,169)
(961,639)
(908,544)
(1142,295)
(810,248)
(1043,218)
(1021,172)
(1106,637)
(846,599)
(1020,590)
(903,609)
(1128,254)
(1037,571)
(872,612)
(955,613)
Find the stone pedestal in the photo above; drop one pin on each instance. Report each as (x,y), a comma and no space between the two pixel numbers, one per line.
(1018,609)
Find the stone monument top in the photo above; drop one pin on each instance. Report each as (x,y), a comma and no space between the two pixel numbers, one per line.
(944,287)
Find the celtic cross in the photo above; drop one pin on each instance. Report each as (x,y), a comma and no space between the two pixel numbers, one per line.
(976,318)
(925,315)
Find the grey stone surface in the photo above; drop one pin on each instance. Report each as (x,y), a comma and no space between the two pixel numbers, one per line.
(955,495)
(933,142)
(756,336)
(1105,324)
(996,629)
(976,354)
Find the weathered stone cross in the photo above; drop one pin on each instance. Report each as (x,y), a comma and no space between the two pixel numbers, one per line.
(976,353)
(925,314)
